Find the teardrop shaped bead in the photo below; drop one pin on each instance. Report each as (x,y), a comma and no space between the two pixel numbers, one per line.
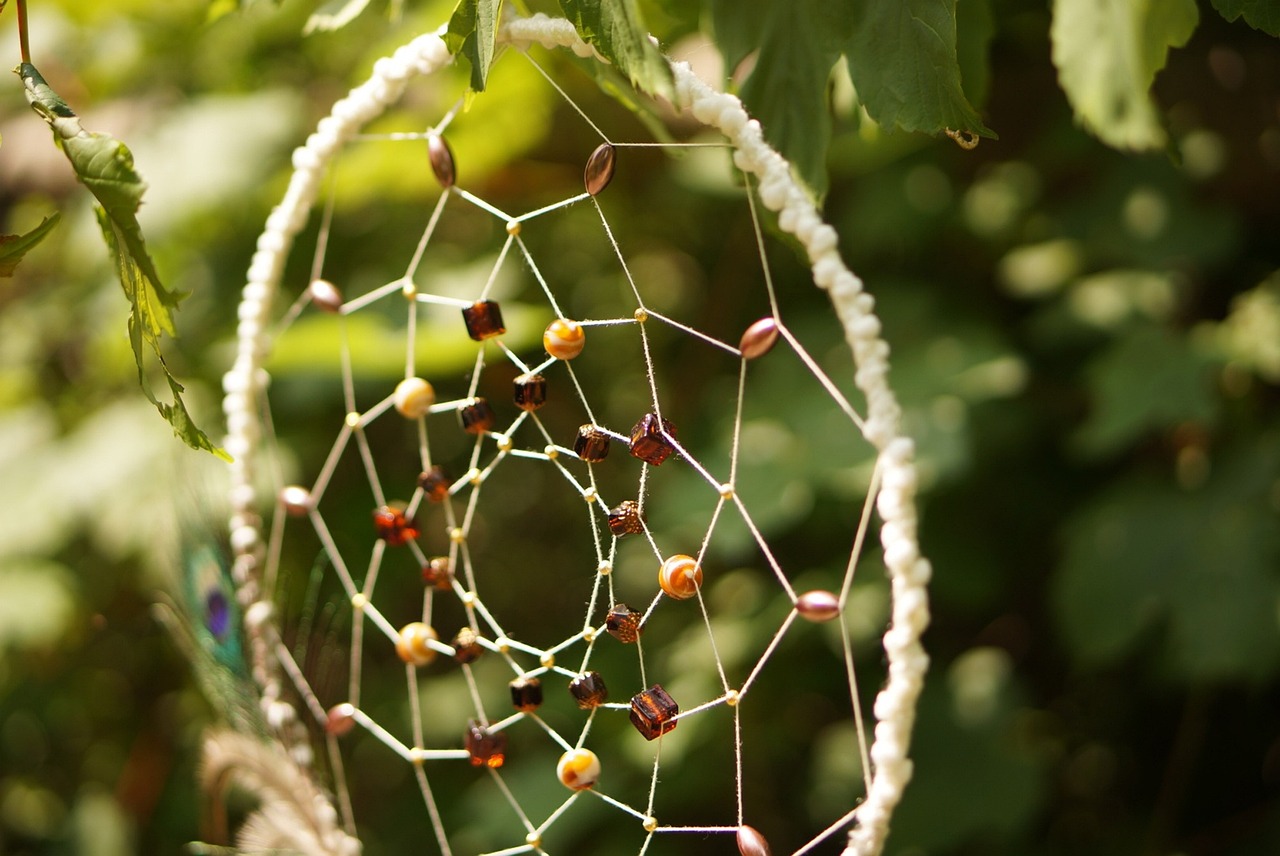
(599,171)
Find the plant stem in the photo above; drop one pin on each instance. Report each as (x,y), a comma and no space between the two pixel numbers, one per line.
(24,43)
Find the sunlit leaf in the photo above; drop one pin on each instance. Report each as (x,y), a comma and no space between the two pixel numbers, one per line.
(472,33)
(1108,54)
(334,15)
(1260,14)
(14,247)
(616,29)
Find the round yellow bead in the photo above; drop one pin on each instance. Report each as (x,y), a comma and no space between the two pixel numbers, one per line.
(564,339)
(413,644)
(680,577)
(578,769)
(414,397)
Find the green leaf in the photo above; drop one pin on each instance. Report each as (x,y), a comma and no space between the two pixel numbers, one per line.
(787,89)
(975,28)
(1150,380)
(105,166)
(1194,570)
(473,33)
(14,247)
(1108,53)
(739,27)
(904,65)
(334,15)
(615,28)
(1260,14)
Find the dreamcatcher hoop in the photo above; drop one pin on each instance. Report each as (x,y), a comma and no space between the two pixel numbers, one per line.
(245,388)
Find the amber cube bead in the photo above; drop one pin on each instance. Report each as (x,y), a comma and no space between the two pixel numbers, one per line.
(623,623)
(526,694)
(592,444)
(653,712)
(484,320)
(589,690)
(626,519)
(466,646)
(531,391)
(651,439)
(394,526)
(486,748)
(435,483)
(477,416)
(438,572)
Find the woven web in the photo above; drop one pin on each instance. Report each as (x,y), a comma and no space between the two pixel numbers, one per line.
(482,521)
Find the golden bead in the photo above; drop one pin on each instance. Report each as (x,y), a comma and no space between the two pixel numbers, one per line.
(413,644)
(578,769)
(680,577)
(414,397)
(564,339)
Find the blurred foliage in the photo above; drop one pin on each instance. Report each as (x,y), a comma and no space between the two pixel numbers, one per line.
(1087,343)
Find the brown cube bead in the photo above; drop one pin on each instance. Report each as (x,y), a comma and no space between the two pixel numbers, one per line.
(435,483)
(526,694)
(530,391)
(486,748)
(653,712)
(438,572)
(393,525)
(589,690)
(626,519)
(591,445)
(651,439)
(484,320)
(623,623)
(477,416)
(466,646)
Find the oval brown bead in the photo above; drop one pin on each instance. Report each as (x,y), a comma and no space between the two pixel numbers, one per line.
(758,339)
(441,157)
(751,842)
(325,295)
(340,719)
(296,500)
(818,605)
(599,171)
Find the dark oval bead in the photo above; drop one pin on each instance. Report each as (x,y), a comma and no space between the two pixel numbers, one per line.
(818,605)
(340,719)
(751,842)
(758,339)
(599,171)
(441,157)
(325,295)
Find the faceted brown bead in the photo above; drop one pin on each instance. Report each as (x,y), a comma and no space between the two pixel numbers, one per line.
(466,646)
(626,519)
(477,416)
(393,525)
(589,689)
(340,719)
(592,444)
(526,694)
(438,572)
(651,439)
(435,483)
(599,171)
(442,163)
(325,295)
(531,391)
(759,338)
(652,712)
(484,320)
(623,623)
(487,748)
(818,605)
(751,842)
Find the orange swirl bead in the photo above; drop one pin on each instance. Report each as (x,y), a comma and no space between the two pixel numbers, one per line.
(680,576)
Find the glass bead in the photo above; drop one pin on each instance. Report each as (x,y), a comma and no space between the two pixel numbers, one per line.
(599,170)
(484,320)
(340,719)
(296,500)
(442,163)
(477,416)
(394,526)
(564,339)
(651,439)
(751,842)
(653,712)
(466,646)
(438,572)
(413,644)
(526,694)
(578,769)
(680,576)
(591,445)
(623,623)
(414,397)
(325,296)
(626,519)
(486,748)
(435,483)
(818,605)
(758,339)
(589,690)
(530,391)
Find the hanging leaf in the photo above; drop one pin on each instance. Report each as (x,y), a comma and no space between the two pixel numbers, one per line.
(105,166)
(903,62)
(334,15)
(473,33)
(616,29)
(1108,54)
(1262,15)
(14,247)
(739,27)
